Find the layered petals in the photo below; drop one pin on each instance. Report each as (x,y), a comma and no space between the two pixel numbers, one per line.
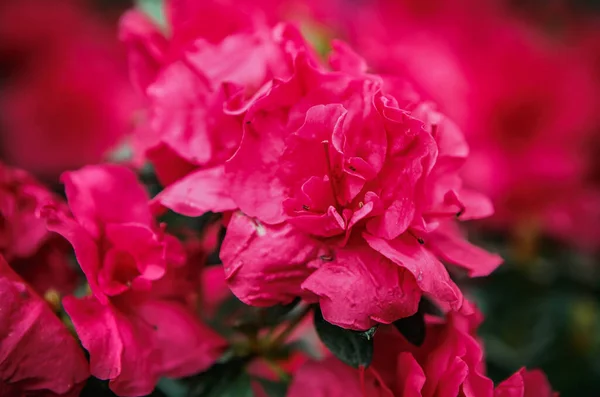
(117,242)
(131,342)
(429,273)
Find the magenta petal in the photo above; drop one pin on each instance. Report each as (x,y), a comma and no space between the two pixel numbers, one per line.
(265,265)
(146,47)
(476,205)
(514,386)
(394,221)
(185,346)
(37,352)
(411,377)
(145,247)
(86,249)
(344,59)
(96,328)
(253,170)
(325,225)
(361,287)
(200,192)
(119,349)
(451,247)
(430,274)
(92,199)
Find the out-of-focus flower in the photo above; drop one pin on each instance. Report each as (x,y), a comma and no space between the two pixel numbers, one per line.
(360,220)
(38,355)
(135,327)
(36,254)
(525,103)
(66,100)
(21,198)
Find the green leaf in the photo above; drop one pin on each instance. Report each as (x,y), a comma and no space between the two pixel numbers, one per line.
(355,348)
(172,387)
(227,379)
(155,10)
(273,389)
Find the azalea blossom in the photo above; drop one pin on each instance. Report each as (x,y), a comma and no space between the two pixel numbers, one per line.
(66,100)
(363,220)
(135,329)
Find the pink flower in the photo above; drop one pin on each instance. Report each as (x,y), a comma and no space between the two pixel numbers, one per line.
(38,355)
(136,326)
(198,85)
(528,134)
(361,220)
(116,240)
(67,101)
(525,103)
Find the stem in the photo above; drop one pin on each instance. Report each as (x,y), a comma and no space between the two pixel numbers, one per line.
(279,339)
(281,374)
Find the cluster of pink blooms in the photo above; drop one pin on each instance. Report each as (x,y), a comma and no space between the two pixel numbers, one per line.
(338,184)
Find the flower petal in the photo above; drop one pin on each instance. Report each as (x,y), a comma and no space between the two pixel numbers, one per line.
(92,199)
(360,288)
(265,265)
(200,192)
(430,274)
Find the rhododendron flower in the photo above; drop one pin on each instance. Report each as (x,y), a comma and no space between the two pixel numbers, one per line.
(360,222)
(135,327)
(197,86)
(67,100)
(116,240)
(38,355)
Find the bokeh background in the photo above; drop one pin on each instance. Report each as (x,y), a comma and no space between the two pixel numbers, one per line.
(521,78)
